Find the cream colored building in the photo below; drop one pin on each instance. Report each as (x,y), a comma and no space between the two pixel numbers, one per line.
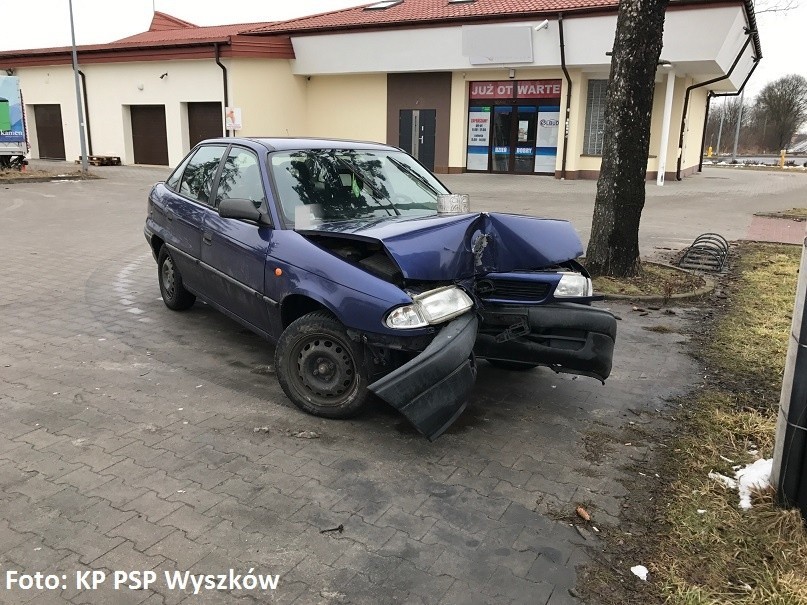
(464,85)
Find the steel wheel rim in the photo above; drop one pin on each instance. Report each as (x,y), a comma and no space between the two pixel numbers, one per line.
(325,370)
(169,281)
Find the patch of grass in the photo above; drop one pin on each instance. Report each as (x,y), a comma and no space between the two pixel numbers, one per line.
(726,554)
(751,342)
(17,176)
(700,547)
(793,213)
(655,280)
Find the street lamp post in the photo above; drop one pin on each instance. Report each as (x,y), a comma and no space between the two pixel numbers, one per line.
(81,130)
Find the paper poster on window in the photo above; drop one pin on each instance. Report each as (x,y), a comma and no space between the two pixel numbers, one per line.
(478,138)
(232,118)
(546,145)
(523,129)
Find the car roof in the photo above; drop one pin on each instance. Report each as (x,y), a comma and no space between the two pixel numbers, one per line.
(296,143)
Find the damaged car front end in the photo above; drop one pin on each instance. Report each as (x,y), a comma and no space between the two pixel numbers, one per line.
(500,287)
(518,305)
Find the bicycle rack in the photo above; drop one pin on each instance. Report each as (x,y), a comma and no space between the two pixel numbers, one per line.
(707,253)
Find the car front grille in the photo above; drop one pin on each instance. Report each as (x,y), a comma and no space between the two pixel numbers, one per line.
(510,289)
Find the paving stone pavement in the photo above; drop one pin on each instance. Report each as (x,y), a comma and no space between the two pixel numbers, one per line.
(136,438)
(781,230)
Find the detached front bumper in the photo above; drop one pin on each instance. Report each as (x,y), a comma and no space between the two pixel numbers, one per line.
(432,389)
(567,337)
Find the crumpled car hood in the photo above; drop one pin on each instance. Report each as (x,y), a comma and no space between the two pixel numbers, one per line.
(448,247)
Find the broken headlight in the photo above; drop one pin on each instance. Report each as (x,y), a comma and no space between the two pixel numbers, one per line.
(573,285)
(429,308)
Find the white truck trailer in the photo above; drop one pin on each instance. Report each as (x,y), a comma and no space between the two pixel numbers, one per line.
(13,129)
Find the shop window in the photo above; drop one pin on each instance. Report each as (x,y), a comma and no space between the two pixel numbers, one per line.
(595,117)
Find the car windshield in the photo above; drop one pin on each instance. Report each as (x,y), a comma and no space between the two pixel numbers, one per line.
(328,185)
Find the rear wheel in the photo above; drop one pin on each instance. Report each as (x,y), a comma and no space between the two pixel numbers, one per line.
(514,366)
(174,294)
(320,369)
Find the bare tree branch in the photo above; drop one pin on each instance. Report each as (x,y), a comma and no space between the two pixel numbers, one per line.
(775,6)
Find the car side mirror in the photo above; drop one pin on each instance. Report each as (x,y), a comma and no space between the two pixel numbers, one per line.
(242,209)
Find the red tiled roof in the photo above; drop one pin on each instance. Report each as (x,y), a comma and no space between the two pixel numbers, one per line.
(166,34)
(166,29)
(166,21)
(434,11)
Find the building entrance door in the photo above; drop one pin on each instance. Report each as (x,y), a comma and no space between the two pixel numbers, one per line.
(514,137)
(416,134)
(49,133)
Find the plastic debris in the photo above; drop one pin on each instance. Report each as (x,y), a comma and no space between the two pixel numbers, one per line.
(640,571)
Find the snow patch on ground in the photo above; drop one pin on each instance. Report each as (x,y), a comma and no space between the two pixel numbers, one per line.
(756,475)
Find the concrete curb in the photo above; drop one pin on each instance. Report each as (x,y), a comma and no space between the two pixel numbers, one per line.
(683,296)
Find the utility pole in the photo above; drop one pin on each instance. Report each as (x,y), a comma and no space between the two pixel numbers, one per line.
(789,472)
(81,131)
(737,128)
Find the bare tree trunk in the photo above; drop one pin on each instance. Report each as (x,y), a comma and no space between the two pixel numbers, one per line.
(613,248)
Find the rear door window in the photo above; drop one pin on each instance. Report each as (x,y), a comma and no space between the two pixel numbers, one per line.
(197,179)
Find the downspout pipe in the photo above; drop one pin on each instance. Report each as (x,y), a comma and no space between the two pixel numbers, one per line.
(224,81)
(713,95)
(701,85)
(568,97)
(705,123)
(86,111)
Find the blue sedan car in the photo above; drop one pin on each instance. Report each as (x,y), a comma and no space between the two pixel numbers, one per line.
(357,263)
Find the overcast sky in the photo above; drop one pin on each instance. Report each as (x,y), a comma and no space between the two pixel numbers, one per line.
(41,23)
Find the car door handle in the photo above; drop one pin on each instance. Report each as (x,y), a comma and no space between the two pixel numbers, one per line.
(169,215)
(207,238)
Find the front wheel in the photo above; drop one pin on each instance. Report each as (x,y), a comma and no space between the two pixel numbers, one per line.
(174,294)
(320,369)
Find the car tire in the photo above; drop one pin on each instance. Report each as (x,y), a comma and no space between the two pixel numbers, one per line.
(174,294)
(320,369)
(513,366)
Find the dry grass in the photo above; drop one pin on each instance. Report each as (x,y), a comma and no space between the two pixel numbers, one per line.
(725,554)
(752,340)
(793,213)
(656,280)
(31,174)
